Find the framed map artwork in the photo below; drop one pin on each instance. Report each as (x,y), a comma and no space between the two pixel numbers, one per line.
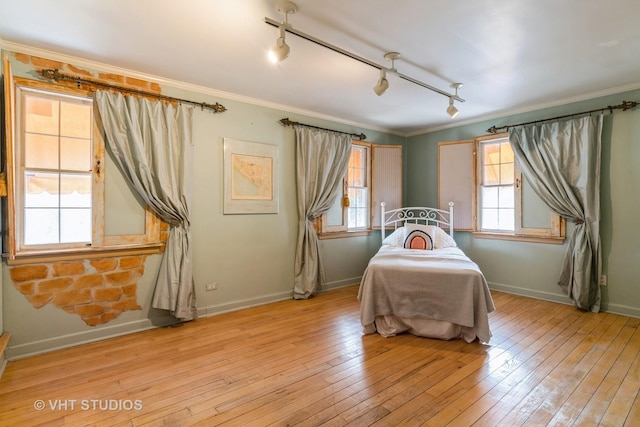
(250,177)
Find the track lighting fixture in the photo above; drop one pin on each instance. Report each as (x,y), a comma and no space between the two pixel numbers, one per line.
(281,51)
(383,84)
(451,109)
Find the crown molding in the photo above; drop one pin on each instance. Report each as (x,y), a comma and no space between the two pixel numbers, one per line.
(528,109)
(102,67)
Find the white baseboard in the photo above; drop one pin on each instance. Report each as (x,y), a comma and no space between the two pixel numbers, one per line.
(622,309)
(212,310)
(20,351)
(266,299)
(547,296)
(341,283)
(563,299)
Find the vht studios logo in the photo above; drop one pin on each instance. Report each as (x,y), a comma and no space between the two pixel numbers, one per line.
(88,405)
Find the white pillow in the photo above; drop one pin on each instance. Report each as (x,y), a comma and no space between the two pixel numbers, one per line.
(396,238)
(442,239)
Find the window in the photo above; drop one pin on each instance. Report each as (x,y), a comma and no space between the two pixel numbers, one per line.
(54,170)
(58,178)
(373,176)
(350,211)
(491,198)
(496,195)
(358,188)
(506,206)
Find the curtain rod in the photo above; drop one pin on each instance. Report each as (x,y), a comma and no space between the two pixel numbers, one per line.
(54,74)
(626,105)
(287,122)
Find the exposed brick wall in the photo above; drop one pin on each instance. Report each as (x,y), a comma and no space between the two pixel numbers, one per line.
(97,290)
(115,79)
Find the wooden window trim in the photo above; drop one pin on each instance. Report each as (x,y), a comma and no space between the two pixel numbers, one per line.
(150,242)
(555,234)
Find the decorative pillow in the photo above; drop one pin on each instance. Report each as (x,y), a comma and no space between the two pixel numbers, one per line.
(439,237)
(442,239)
(418,239)
(396,238)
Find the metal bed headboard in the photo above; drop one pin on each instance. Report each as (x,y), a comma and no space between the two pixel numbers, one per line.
(420,215)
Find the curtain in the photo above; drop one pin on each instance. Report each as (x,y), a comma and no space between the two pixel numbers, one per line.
(322,159)
(561,161)
(151,143)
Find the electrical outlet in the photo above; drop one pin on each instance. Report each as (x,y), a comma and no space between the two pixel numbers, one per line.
(211,286)
(603,280)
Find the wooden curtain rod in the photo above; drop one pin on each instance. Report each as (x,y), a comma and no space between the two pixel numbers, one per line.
(54,74)
(287,122)
(626,105)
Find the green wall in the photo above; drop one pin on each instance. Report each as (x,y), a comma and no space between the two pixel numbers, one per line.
(533,268)
(249,257)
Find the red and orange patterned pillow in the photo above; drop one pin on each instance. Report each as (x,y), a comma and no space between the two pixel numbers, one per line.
(418,239)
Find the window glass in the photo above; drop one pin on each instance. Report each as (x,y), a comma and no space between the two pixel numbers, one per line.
(357,187)
(56,163)
(497,191)
(41,151)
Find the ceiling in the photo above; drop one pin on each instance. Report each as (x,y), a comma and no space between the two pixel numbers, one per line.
(511,55)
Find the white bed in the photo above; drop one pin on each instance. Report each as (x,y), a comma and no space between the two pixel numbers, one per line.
(435,291)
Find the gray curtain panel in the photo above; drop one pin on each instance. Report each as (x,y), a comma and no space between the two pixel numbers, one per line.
(561,161)
(322,159)
(151,143)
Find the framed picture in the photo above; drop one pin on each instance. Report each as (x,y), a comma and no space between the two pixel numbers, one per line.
(250,177)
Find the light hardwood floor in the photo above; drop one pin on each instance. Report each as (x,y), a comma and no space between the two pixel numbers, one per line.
(306,363)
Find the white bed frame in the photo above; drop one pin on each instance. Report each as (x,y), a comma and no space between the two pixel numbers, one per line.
(429,216)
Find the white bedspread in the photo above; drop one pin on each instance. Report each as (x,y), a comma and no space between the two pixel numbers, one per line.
(442,284)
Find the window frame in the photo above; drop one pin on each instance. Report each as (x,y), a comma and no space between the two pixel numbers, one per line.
(382,161)
(101,245)
(327,231)
(554,234)
(366,149)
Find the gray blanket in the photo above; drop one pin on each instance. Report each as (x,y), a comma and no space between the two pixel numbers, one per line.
(442,284)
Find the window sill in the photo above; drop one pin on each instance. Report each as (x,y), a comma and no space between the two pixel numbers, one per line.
(343,234)
(553,240)
(31,257)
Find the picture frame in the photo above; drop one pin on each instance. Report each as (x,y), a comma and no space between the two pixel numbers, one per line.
(250,177)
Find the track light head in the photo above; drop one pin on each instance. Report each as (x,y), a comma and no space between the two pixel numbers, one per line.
(383,84)
(451,109)
(280,51)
